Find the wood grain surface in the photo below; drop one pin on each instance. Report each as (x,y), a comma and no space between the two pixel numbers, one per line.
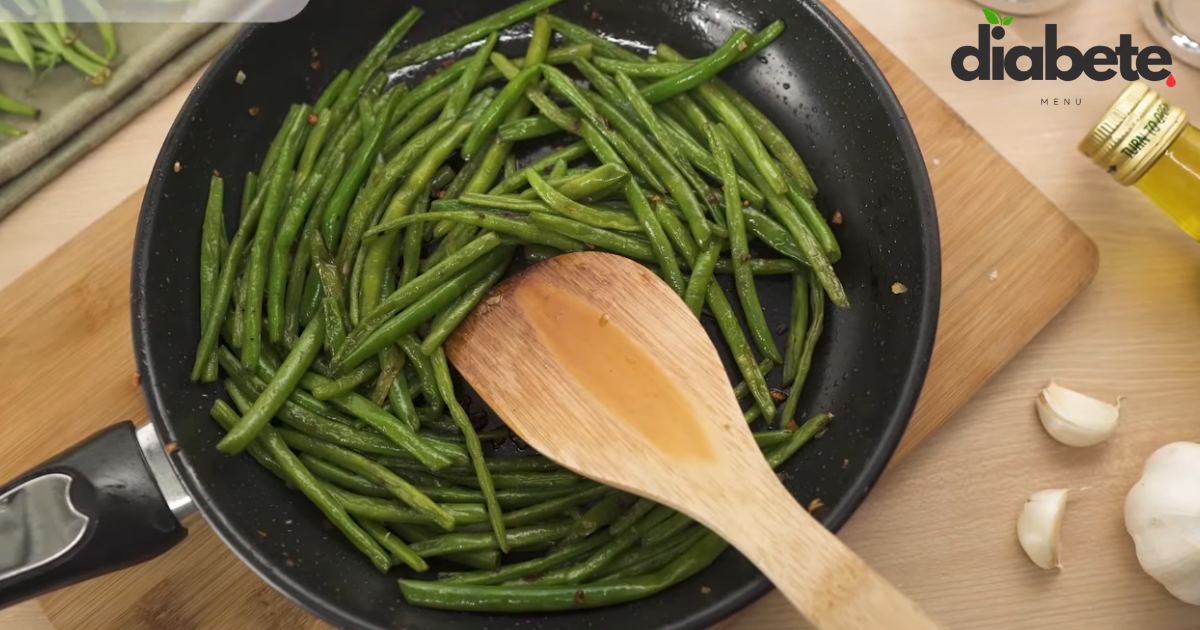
(940,525)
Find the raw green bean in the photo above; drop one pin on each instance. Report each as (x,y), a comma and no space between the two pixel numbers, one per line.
(747,293)
(700,72)
(466,34)
(423,310)
(210,261)
(277,391)
(260,250)
(568,153)
(798,335)
(702,276)
(11,31)
(447,321)
(743,355)
(466,83)
(349,382)
(14,106)
(441,369)
(296,474)
(393,544)
(595,217)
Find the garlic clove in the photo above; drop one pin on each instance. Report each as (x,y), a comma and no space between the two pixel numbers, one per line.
(1075,419)
(1039,525)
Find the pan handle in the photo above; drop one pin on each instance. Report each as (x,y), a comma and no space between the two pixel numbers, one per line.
(110,502)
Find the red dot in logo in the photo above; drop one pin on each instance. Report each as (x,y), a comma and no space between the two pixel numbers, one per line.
(1171,81)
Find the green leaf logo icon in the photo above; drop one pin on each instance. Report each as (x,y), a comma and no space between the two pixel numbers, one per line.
(993,17)
(1007,20)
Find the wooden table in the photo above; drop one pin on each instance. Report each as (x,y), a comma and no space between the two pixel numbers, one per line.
(942,524)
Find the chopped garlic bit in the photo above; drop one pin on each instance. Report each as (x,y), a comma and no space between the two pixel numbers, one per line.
(899,289)
(240,78)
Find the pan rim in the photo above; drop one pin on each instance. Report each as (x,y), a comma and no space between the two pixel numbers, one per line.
(732,602)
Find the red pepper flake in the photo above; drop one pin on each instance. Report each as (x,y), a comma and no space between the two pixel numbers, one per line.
(316,65)
(216,173)
(171,447)
(261,533)
(778,395)
(837,218)
(313,119)
(441,194)
(712,198)
(315,54)
(137,379)
(745,203)
(845,463)
(254,112)
(290,563)
(579,597)
(445,63)
(815,505)
(745,257)
(792,426)
(589,246)
(596,17)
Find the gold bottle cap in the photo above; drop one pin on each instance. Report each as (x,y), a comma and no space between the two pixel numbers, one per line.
(1134,133)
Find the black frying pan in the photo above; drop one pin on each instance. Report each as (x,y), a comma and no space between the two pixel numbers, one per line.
(816,81)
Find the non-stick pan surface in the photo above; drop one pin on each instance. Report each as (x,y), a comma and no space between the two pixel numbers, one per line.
(816,82)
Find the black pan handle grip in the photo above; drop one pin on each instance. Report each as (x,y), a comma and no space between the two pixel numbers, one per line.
(91,510)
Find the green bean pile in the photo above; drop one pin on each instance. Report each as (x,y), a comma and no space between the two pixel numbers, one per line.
(381,217)
(50,40)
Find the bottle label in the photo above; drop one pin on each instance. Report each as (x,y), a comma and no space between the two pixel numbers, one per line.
(1150,130)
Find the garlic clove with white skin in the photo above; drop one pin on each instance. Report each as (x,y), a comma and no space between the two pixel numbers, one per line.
(1075,419)
(1039,525)
(1162,515)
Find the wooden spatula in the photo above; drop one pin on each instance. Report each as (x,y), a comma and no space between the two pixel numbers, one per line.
(597,364)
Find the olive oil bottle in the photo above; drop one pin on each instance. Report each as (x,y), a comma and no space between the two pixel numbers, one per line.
(1145,142)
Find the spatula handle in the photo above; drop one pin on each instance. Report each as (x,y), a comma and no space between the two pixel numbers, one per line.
(823,578)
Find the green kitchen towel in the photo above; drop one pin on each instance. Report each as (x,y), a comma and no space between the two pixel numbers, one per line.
(77,117)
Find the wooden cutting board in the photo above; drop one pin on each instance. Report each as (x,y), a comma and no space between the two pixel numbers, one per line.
(1011,262)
